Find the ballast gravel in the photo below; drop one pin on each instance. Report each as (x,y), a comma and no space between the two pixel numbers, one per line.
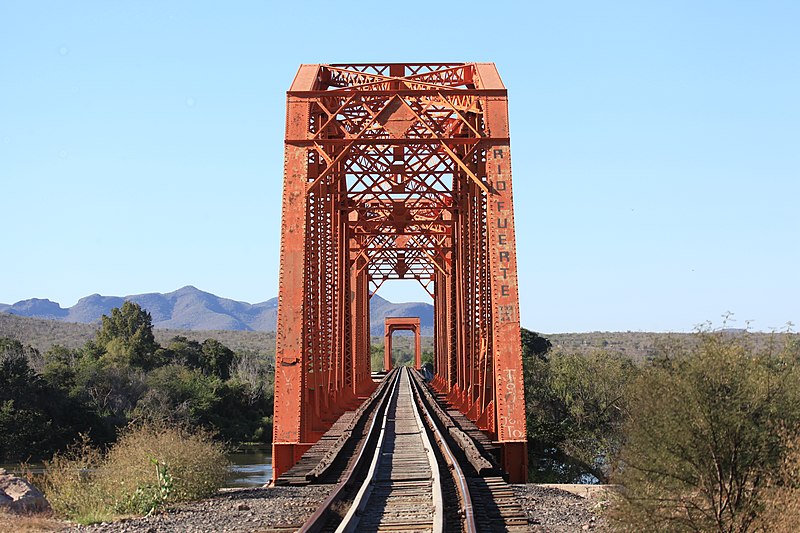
(281,509)
(558,511)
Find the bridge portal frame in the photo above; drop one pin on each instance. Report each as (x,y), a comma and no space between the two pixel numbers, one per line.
(369,151)
(400,323)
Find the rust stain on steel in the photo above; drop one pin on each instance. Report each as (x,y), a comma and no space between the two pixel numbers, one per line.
(397,171)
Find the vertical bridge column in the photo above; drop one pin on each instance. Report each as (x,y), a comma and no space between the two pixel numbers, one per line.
(507,345)
(322,365)
(290,422)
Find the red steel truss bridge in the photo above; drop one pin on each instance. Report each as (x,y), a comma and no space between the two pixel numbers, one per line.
(397,172)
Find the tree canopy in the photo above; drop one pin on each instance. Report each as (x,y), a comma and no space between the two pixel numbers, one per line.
(127,336)
(707,430)
(121,375)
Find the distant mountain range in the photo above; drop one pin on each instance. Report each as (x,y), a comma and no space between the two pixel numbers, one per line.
(193,309)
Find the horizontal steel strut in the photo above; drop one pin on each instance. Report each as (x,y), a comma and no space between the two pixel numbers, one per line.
(397,171)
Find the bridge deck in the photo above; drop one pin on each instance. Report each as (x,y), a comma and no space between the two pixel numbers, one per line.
(402,492)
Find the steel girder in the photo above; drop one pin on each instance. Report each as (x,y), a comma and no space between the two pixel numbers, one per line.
(400,323)
(397,171)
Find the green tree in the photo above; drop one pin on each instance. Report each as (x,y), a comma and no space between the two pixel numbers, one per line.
(211,357)
(127,337)
(576,406)
(60,367)
(217,359)
(533,344)
(703,436)
(426,357)
(257,372)
(237,417)
(23,423)
(111,388)
(36,418)
(179,394)
(185,352)
(781,512)
(376,352)
(594,391)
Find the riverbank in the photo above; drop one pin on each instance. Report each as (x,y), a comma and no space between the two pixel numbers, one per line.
(250,466)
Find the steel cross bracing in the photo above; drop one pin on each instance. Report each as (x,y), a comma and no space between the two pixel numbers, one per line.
(397,171)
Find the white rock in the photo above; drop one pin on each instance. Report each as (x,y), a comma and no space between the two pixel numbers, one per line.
(16,494)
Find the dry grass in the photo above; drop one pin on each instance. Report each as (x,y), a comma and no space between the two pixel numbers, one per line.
(149,467)
(70,485)
(29,523)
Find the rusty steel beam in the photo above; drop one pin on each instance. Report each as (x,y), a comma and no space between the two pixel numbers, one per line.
(398,323)
(397,171)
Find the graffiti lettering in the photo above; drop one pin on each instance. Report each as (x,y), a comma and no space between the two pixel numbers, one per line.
(507,313)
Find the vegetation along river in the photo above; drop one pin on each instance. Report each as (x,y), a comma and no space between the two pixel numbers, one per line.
(251,466)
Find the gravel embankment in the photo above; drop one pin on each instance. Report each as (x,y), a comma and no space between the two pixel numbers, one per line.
(283,509)
(260,509)
(558,511)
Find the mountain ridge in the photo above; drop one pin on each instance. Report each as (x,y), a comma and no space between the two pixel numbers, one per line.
(190,308)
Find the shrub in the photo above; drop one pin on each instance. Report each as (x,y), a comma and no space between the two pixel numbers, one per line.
(150,466)
(703,439)
(533,344)
(71,487)
(155,464)
(575,405)
(781,512)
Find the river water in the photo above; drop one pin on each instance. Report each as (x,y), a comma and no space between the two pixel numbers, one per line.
(251,466)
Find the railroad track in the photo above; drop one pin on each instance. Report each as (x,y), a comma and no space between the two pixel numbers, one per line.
(413,469)
(398,487)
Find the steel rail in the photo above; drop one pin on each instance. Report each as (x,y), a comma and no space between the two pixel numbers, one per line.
(318,520)
(438,499)
(458,474)
(351,518)
(383,438)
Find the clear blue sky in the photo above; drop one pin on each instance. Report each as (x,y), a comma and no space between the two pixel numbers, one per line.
(656,147)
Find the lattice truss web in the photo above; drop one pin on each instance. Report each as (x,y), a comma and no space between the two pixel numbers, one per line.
(397,171)
(391,163)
